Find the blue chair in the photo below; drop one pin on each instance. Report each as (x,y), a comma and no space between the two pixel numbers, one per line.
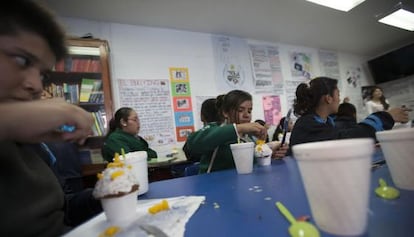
(192,169)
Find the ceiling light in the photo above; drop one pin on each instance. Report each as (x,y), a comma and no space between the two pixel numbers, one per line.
(342,5)
(400,18)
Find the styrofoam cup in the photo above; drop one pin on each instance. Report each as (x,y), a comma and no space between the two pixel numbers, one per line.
(398,148)
(138,161)
(336,176)
(243,156)
(120,211)
(264,161)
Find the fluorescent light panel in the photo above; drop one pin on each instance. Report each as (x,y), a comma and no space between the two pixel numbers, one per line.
(84,50)
(401,18)
(342,5)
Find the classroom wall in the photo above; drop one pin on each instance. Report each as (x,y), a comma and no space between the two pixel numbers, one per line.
(139,52)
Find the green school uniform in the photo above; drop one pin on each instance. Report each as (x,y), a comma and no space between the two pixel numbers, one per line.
(203,143)
(120,139)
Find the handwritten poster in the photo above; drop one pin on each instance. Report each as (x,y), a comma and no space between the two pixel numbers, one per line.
(329,65)
(151,99)
(267,72)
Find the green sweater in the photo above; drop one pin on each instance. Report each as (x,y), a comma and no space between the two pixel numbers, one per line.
(203,142)
(119,139)
(31,197)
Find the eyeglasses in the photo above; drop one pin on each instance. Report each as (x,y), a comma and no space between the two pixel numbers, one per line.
(134,119)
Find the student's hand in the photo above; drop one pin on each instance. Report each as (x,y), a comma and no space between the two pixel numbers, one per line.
(39,121)
(399,114)
(254,129)
(280,151)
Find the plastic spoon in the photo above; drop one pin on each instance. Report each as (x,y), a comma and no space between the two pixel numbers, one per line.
(298,228)
(386,192)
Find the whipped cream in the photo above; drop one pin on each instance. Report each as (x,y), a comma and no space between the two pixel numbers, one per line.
(262,150)
(116,179)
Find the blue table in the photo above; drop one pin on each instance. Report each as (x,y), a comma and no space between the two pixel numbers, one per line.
(247,202)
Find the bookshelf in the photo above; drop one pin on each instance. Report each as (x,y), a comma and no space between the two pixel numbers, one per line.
(83,78)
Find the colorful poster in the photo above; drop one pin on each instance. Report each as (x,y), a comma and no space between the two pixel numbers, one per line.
(183,108)
(151,99)
(182,103)
(300,65)
(179,74)
(272,109)
(180,88)
(183,132)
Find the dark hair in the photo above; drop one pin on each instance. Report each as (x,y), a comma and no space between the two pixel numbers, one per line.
(231,102)
(346,110)
(26,15)
(382,98)
(122,113)
(308,97)
(279,129)
(209,111)
(261,122)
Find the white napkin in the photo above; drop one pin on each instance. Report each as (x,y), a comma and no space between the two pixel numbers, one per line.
(172,222)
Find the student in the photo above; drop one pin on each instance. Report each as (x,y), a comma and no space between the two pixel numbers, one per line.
(30,43)
(279,129)
(123,134)
(209,114)
(236,108)
(377,101)
(346,116)
(314,104)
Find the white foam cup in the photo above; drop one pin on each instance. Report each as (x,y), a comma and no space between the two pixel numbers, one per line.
(264,161)
(336,177)
(398,148)
(138,161)
(243,156)
(120,211)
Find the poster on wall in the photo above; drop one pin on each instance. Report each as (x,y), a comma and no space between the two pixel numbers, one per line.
(353,76)
(329,65)
(233,69)
(267,74)
(272,109)
(300,65)
(151,99)
(183,108)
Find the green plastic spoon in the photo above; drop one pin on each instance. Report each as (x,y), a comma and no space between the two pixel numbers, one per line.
(298,228)
(386,192)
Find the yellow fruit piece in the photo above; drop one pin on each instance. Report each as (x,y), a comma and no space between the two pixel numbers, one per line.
(162,206)
(110,231)
(260,142)
(116,174)
(115,164)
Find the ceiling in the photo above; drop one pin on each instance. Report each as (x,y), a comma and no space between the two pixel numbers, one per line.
(295,22)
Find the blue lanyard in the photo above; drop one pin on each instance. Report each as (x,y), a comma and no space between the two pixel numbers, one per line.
(52,157)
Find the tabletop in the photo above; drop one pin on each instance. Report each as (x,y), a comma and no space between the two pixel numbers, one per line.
(244,205)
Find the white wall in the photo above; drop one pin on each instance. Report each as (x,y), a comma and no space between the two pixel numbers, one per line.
(147,53)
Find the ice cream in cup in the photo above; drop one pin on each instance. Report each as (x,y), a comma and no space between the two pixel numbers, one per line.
(263,153)
(117,188)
